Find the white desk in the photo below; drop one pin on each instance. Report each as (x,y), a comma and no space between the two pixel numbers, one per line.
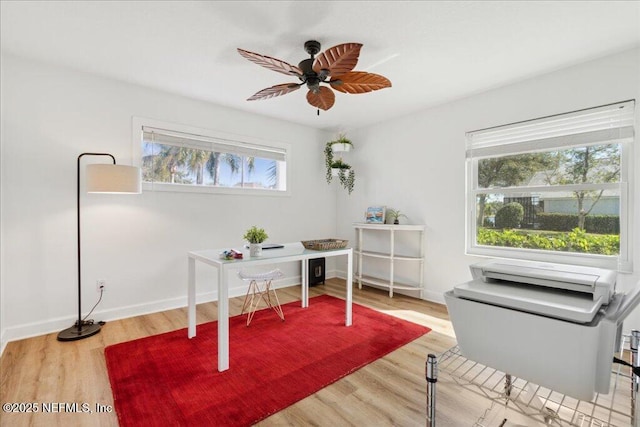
(290,252)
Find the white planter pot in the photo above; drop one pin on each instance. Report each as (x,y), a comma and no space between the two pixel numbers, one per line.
(255,249)
(340,148)
(336,172)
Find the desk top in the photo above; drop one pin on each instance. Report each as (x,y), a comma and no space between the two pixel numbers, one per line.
(290,252)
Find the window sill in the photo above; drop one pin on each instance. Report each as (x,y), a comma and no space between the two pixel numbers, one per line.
(600,261)
(183,188)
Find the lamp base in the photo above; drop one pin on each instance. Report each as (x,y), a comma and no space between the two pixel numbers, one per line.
(73,333)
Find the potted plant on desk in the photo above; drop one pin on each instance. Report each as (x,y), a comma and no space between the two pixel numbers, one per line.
(255,236)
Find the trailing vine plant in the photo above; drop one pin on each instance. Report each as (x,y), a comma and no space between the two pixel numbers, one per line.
(347,180)
(328,161)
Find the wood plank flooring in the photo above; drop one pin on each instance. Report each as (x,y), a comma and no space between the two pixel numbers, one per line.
(388,392)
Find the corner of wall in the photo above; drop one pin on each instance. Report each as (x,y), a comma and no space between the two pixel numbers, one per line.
(3,334)
(3,341)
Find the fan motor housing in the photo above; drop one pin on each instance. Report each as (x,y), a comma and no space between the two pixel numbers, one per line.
(312,47)
(307,67)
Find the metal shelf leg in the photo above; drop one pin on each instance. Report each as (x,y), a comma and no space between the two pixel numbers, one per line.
(635,379)
(431,373)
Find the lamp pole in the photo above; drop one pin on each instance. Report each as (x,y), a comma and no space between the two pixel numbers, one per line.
(80,330)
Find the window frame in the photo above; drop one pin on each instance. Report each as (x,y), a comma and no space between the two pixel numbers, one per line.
(621,262)
(244,141)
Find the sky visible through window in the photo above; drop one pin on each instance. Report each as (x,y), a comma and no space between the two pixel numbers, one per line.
(181,165)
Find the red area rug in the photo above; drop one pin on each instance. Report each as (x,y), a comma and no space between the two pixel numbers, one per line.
(171,380)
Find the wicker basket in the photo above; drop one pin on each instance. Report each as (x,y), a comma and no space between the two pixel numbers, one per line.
(325,244)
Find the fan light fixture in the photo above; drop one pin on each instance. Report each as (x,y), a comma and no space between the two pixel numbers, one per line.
(333,67)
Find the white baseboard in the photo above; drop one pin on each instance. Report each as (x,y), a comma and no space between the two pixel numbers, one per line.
(55,325)
(3,340)
(48,326)
(436,297)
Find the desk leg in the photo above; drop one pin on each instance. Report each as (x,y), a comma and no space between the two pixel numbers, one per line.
(223,320)
(191,297)
(348,316)
(305,283)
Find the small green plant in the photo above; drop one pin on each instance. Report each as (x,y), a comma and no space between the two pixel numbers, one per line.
(395,215)
(255,235)
(342,139)
(339,164)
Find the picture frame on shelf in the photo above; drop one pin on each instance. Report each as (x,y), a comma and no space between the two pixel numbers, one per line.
(375,215)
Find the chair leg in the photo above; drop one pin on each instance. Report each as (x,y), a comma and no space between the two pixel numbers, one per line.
(253,297)
(276,307)
(250,290)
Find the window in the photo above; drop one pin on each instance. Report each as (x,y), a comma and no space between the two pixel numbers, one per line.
(553,189)
(178,158)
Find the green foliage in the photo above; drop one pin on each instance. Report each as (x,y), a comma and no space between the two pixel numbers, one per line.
(175,164)
(602,224)
(347,180)
(557,221)
(510,215)
(255,235)
(395,214)
(342,139)
(576,240)
(599,224)
(347,176)
(508,171)
(487,222)
(328,161)
(339,164)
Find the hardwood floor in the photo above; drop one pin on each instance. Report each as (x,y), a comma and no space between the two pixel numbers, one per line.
(388,392)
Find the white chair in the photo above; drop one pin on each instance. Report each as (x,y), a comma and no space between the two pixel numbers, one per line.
(260,290)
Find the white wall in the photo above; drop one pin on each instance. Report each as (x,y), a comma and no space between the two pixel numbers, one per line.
(137,243)
(417,163)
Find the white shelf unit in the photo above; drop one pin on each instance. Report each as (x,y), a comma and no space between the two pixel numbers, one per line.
(390,255)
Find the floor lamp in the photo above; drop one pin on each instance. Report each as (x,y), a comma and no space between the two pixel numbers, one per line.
(101,178)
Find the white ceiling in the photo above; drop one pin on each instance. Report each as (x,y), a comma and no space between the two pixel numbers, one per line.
(432,52)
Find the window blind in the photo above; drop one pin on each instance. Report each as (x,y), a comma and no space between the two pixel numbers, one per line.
(216,145)
(605,124)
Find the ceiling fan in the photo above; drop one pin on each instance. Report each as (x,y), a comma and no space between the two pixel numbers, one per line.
(334,67)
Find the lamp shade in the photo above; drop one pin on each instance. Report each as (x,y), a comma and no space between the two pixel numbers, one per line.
(106,178)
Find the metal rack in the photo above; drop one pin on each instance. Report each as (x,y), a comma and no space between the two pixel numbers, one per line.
(510,396)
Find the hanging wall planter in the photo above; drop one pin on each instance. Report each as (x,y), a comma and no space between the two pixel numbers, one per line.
(341,145)
(338,168)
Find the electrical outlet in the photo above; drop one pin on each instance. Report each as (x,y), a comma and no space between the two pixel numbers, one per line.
(101,285)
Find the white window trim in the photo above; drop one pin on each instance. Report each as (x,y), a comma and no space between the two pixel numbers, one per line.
(622,263)
(137,125)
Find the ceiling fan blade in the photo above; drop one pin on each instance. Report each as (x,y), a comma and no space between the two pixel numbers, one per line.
(271,63)
(339,59)
(274,91)
(359,82)
(323,99)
